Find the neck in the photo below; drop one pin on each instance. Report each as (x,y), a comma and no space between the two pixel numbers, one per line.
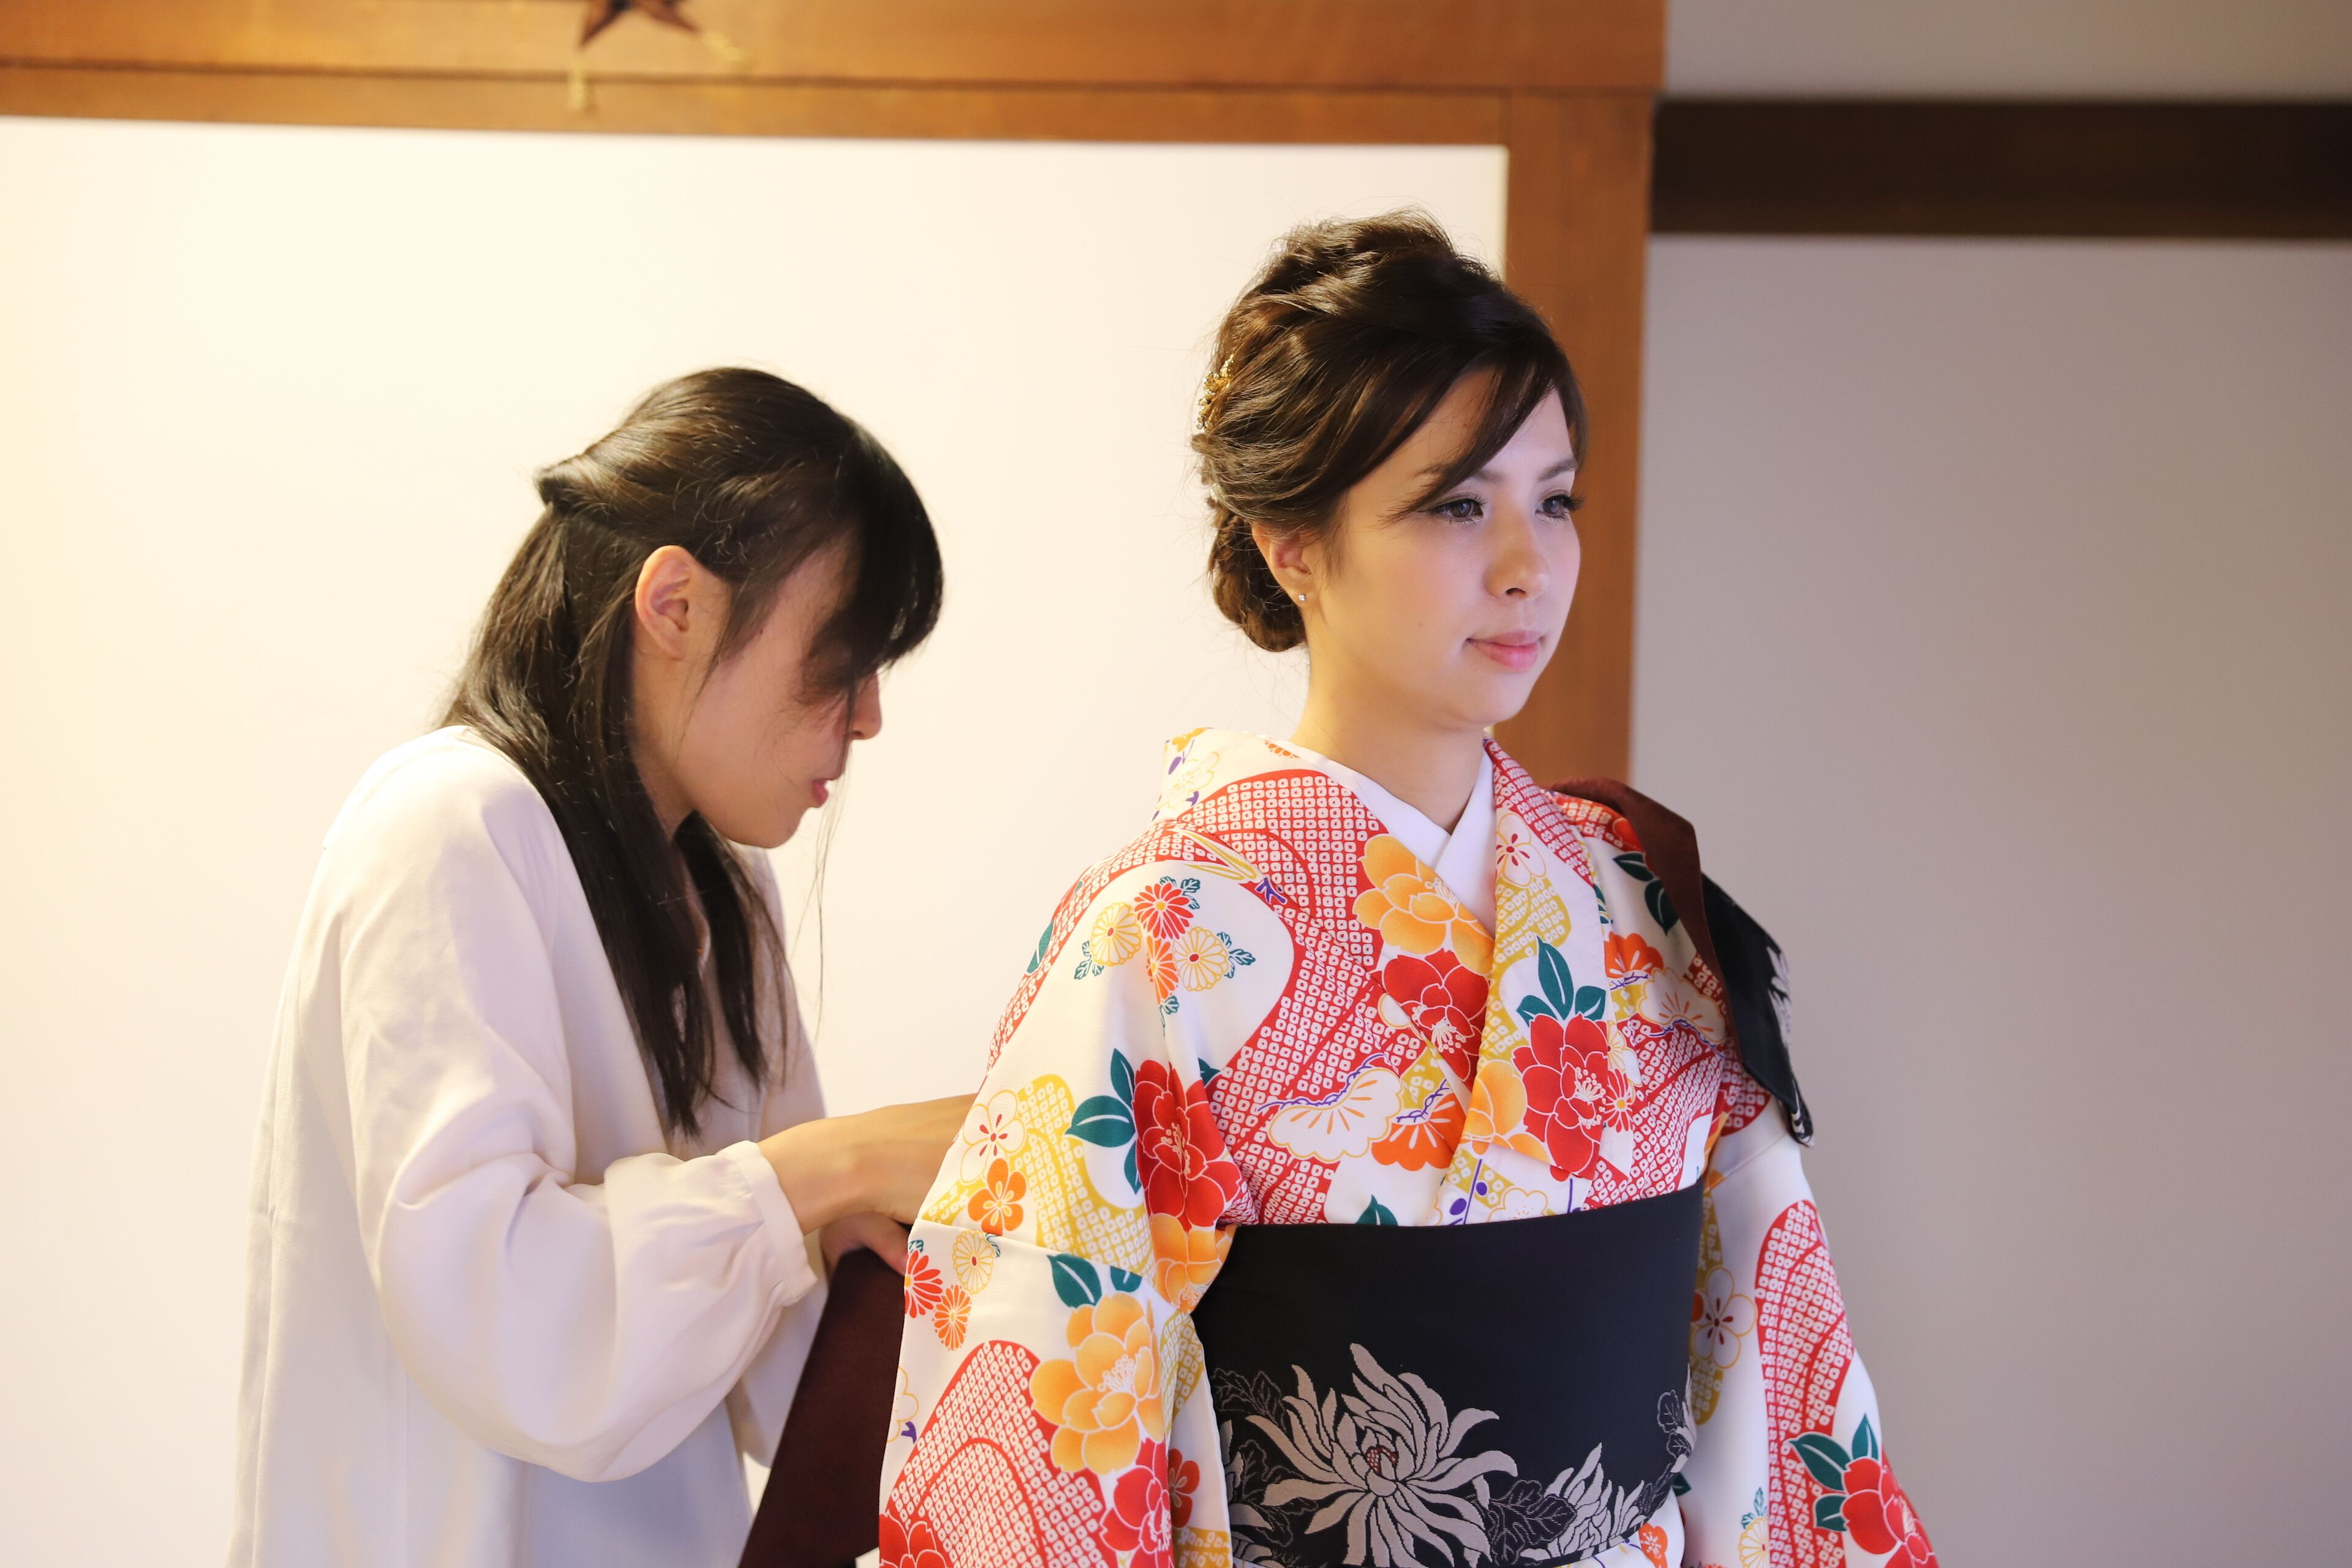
(662,789)
(1430,769)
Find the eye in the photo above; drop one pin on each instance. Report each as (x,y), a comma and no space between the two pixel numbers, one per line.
(1562,505)
(1461,508)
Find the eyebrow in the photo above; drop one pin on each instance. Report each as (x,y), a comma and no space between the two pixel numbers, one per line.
(1487,476)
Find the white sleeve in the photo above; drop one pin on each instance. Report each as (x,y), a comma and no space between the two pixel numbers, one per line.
(584,1325)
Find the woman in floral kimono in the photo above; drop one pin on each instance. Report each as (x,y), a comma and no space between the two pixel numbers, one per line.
(1214,1277)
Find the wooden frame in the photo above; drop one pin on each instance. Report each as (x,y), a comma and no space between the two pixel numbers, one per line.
(1564,85)
(2138,171)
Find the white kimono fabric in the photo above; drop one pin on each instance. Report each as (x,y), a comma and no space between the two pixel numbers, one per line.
(1273,1007)
(494,1317)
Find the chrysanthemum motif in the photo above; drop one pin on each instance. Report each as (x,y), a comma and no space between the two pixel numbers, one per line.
(974,1255)
(1382,1460)
(1200,959)
(1603,1513)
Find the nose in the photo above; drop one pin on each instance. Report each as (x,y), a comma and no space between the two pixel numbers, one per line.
(866,709)
(1519,570)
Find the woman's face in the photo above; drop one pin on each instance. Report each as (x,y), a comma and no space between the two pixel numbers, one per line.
(1443,615)
(743,741)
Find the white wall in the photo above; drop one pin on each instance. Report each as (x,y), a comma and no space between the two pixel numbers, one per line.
(1996,629)
(1993,630)
(270,402)
(2089,48)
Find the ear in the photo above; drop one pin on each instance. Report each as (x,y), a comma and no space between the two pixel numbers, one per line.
(679,604)
(1293,558)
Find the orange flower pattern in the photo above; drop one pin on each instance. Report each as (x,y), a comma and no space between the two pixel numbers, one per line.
(1269,1009)
(1104,1401)
(997,1205)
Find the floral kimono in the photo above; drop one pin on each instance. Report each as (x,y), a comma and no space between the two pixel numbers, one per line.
(1295,1002)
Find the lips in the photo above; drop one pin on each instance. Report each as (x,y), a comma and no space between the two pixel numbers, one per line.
(1515,651)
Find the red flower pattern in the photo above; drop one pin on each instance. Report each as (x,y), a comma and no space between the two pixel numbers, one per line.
(1880,1517)
(1626,956)
(1445,999)
(1183,1481)
(1179,1155)
(925,1289)
(1165,909)
(1569,1081)
(1138,1517)
(915,1545)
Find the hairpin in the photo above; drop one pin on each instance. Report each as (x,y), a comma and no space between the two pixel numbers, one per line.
(1219,379)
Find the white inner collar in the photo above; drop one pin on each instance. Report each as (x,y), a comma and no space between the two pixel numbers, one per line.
(1463,860)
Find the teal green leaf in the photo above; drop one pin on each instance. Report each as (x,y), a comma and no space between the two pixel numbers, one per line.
(1533,1007)
(1662,907)
(1828,1512)
(1376,1213)
(1075,1281)
(1823,1456)
(1592,1001)
(1559,984)
(1104,1122)
(1635,867)
(1122,1077)
(1865,1441)
(1120,1279)
(1044,941)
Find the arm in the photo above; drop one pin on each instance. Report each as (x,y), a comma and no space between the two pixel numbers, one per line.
(1790,1450)
(585,1321)
(1049,1367)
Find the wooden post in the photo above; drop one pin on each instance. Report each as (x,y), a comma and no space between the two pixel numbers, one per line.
(1576,245)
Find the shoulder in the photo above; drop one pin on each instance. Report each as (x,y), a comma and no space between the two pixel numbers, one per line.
(442,802)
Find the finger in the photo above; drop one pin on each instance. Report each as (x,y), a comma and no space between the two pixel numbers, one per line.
(873,1232)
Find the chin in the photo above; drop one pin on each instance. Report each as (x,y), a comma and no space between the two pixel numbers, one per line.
(762,832)
(1501,702)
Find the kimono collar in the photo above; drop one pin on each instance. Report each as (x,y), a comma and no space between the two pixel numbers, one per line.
(1207,760)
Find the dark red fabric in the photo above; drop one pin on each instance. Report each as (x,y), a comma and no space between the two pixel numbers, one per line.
(823,1500)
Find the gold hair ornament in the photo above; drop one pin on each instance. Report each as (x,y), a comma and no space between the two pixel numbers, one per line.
(1219,379)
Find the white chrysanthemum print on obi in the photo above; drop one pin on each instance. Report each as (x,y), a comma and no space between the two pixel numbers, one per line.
(1384,1460)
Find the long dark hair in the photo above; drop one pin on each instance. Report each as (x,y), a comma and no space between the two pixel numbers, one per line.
(1345,341)
(753,477)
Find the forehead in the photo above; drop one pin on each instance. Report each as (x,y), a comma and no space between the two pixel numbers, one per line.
(1542,440)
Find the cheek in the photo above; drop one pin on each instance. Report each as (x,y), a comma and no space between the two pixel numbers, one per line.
(1568,563)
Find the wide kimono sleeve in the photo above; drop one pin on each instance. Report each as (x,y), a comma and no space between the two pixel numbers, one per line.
(1051,1408)
(584,1320)
(1789,1468)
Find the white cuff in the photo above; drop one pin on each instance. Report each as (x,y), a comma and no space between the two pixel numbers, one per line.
(795,1276)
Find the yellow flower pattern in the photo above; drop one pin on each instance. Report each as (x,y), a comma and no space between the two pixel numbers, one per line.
(1104,1401)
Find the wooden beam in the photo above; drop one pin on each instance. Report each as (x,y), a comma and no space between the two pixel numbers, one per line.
(1563,84)
(757,108)
(1576,226)
(1410,44)
(2169,171)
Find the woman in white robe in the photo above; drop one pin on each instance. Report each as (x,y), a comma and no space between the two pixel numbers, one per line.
(543,1176)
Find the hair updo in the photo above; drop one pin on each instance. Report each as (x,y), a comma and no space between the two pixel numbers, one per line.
(1336,352)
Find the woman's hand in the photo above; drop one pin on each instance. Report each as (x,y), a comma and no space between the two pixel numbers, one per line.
(877,1233)
(882,1159)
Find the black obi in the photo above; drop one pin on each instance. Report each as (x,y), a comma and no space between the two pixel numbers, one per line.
(1511,1393)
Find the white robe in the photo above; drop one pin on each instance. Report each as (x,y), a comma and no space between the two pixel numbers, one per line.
(494,1316)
